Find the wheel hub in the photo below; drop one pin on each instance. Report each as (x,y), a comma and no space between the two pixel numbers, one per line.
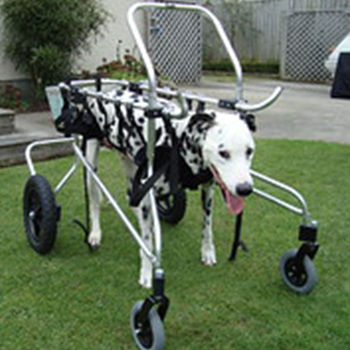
(295,274)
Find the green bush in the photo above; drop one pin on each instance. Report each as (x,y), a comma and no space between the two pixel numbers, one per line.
(11,97)
(44,37)
(247,66)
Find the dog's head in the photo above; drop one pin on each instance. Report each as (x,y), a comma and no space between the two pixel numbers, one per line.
(228,150)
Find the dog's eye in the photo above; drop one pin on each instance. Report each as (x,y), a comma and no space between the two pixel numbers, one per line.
(224,154)
(249,151)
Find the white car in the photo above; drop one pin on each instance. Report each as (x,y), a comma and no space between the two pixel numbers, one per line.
(332,60)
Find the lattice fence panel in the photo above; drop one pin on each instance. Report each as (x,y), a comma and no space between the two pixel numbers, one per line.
(309,35)
(175,45)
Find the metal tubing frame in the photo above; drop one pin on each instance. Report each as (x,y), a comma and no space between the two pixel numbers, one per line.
(302,211)
(30,164)
(30,147)
(154,105)
(180,96)
(154,258)
(152,79)
(101,95)
(66,177)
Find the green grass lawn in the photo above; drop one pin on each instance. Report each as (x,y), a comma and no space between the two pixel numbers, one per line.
(74,299)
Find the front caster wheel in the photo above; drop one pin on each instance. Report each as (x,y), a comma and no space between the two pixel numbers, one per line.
(300,277)
(150,335)
(40,214)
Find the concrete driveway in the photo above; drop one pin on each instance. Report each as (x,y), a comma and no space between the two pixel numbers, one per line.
(303,111)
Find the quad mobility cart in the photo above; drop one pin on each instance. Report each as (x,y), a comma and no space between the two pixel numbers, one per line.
(41,212)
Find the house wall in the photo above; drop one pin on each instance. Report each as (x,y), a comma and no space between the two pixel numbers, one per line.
(102,47)
(117,30)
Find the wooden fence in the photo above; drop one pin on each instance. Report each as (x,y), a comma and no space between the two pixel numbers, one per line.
(260,36)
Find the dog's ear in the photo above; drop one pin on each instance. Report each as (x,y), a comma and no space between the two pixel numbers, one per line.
(204,117)
(202,121)
(250,120)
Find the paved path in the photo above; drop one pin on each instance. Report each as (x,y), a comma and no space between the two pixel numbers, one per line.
(303,112)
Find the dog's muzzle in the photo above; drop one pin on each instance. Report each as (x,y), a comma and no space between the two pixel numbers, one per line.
(244,189)
(234,202)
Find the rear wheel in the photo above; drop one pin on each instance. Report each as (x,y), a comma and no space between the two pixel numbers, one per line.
(40,214)
(172,208)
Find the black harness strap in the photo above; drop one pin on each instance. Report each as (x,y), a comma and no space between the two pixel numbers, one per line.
(85,228)
(137,128)
(163,164)
(139,190)
(174,166)
(237,241)
(121,126)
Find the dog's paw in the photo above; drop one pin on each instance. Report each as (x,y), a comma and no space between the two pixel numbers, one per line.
(94,240)
(208,256)
(145,280)
(146,274)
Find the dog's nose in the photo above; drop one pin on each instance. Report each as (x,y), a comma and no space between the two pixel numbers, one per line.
(244,189)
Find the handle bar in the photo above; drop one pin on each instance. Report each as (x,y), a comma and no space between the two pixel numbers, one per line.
(182,7)
(152,79)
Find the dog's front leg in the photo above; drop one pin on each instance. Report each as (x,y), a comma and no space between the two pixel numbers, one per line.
(208,248)
(145,219)
(95,196)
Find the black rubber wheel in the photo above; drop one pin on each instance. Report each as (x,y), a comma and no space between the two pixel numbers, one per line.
(151,335)
(301,281)
(172,208)
(40,214)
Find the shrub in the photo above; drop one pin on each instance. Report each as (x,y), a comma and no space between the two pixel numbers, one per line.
(130,68)
(247,66)
(10,97)
(44,37)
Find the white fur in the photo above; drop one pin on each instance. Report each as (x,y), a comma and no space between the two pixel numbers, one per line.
(228,133)
(236,138)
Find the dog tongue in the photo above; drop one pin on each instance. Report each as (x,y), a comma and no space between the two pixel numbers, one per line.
(234,203)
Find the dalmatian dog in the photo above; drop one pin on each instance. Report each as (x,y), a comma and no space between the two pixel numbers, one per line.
(214,148)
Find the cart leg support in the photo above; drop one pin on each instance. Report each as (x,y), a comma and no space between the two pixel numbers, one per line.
(308,234)
(157,298)
(237,242)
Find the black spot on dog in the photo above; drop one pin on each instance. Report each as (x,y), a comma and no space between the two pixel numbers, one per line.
(128,193)
(203,198)
(158,134)
(145,212)
(209,203)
